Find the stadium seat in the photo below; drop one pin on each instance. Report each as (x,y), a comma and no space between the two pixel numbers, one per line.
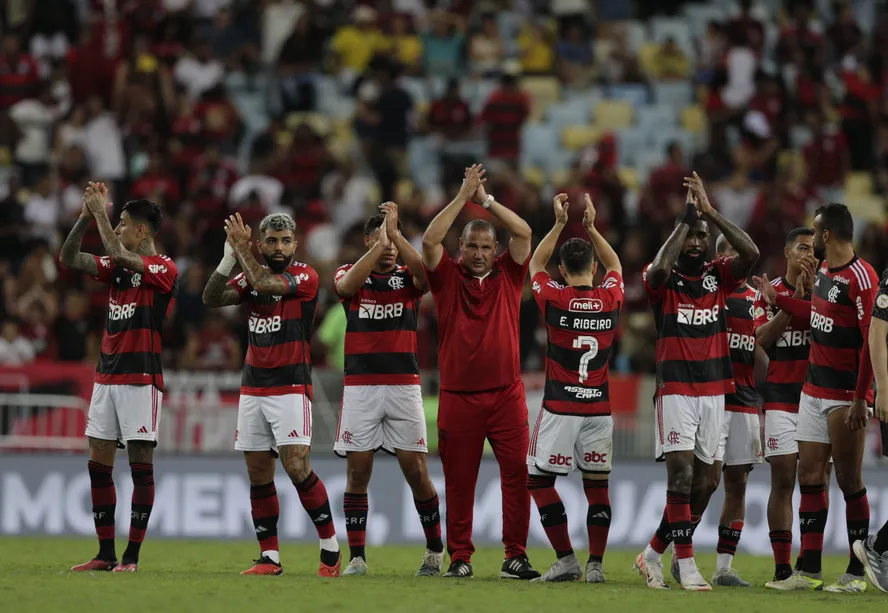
(676,28)
(561,159)
(678,95)
(318,122)
(576,137)
(535,175)
(613,114)
(859,184)
(647,56)
(538,143)
(698,16)
(633,93)
(637,34)
(544,92)
(567,113)
(630,142)
(629,177)
(655,117)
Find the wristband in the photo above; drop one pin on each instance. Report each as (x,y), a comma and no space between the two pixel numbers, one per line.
(226,265)
(490,200)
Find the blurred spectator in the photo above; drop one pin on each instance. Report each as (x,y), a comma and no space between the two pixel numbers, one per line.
(19,73)
(859,108)
(34,117)
(746,27)
(355,45)
(844,34)
(43,210)
(735,198)
(443,45)
(75,342)
(486,49)
(213,347)
(622,64)
(671,63)
(740,67)
(665,194)
(537,55)
(103,143)
(575,56)
(503,116)
(299,59)
(15,349)
(405,47)
(827,159)
(199,71)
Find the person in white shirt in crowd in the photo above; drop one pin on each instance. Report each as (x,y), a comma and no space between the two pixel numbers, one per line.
(15,349)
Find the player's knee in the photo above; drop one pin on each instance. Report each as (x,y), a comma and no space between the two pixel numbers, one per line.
(736,478)
(141,452)
(810,475)
(849,480)
(681,479)
(102,451)
(358,478)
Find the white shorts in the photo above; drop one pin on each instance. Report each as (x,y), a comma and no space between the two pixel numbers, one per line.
(265,423)
(387,417)
(780,433)
(741,439)
(814,418)
(124,412)
(689,423)
(560,443)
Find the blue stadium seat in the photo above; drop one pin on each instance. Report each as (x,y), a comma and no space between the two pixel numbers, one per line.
(630,143)
(656,116)
(539,143)
(634,93)
(561,114)
(677,95)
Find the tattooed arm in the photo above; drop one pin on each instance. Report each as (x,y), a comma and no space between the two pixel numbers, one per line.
(114,249)
(218,293)
(71,256)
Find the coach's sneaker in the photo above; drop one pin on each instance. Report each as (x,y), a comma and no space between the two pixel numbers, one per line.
(330,570)
(518,568)
(95,565)
(728,577)
(652,570)
(431,564)
(594,572)
(264,566)
(693,581)
(875,564)
(798,581)
(562,569)
(459,570)
(126,568)
(847,583)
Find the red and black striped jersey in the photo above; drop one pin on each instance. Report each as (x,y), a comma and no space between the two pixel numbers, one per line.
(580,323)
(841,309)
(278,360)
(741,343)
(380,334)
(880,308)
(788,356)
(138,306)
(693,358)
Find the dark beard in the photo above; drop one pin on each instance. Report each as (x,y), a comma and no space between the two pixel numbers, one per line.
(689,264)
(276,266)
(820,253)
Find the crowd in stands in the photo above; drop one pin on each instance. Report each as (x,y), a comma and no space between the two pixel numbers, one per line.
(326,108)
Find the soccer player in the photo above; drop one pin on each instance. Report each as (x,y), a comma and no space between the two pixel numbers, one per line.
(688,295)
(740,445)
(787,341)
(128,389)
(873,550)
(274,411)
(833,409)
(575,428)
(478,299)
(382,398)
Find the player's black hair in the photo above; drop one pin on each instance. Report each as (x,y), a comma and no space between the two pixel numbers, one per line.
(145,211)
(837,219)
(794,234)
(376,222)
(477,225)
(576,256)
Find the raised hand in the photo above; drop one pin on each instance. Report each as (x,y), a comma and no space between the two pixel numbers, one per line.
(474,179)
(385,240)
(237,231)
(802,282)
(589,214)
(767,291)
(560,204)
(94,198)
(390,210)
(701,201)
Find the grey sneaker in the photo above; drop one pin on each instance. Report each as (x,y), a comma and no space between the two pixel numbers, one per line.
(356,568)
(798,581)
(847,584)
(728,577)
(431,564)
(594,572)
(875,565)
(563,569)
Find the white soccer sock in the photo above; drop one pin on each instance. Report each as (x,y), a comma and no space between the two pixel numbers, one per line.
(273,554)
(723,561)
(650,554)
(330,544)
(686,566)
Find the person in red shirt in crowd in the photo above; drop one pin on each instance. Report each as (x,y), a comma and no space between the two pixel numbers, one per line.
(19,73)
(156,182)
(744,23)
(664,186)
(211,180)
(827,158)
(450,115)
(478,298)
(503,116)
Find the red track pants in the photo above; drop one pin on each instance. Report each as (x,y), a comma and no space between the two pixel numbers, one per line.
(464,421)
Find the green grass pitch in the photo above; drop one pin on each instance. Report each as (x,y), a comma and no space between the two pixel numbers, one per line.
(180,576)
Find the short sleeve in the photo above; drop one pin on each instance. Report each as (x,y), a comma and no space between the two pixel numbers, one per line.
(240,284)
(340,272)
(516,272)
(105,267)
(614,286)
(726,273)
(863,292)
(654,294)
(160,272)
(442,275)
(301,281)
(544,288)
(880,307)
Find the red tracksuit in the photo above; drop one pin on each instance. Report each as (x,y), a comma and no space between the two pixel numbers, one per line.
(482,396)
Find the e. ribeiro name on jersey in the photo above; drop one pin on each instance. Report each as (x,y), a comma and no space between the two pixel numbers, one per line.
(693,356)
(788,356)
(841,309)
(279,355)
(580,323)
(739,311)
(138,306)
(380,334)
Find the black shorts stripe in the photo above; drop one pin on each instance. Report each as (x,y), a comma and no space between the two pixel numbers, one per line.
(381,364)
(292,374)
(134,363)
(703,371)
(669,327)
(784,393)
(831,378)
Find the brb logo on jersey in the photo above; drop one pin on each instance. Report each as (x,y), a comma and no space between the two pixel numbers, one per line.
(743,342)
(585,305)
(264,325)
(821,322)
(380,311)
(697,317)
(116,312)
